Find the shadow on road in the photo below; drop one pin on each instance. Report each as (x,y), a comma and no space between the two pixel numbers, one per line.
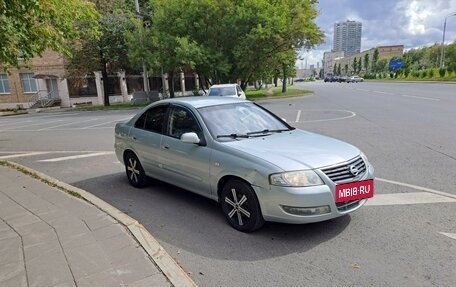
(195,224)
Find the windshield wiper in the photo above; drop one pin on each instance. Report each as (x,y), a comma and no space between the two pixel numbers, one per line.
(266,131)
(234,136)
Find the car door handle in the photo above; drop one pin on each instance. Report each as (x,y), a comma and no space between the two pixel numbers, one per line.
(165,147)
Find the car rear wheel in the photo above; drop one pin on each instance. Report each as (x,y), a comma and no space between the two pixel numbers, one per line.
(135,172)
(240,206)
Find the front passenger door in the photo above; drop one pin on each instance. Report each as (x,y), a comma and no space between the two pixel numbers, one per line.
(187,165)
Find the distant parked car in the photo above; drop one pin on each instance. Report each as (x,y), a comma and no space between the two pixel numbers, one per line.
(355,79)
(334,79)
(342,79)
(227,90)
(299,80)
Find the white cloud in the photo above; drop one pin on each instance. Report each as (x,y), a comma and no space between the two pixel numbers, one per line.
(412,23)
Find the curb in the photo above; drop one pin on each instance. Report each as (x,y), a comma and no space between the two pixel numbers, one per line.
(169,267)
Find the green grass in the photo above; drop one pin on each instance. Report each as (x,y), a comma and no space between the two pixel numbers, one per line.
(275,93)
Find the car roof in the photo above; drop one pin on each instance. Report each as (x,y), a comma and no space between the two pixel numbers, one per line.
(201,101)
(223,85)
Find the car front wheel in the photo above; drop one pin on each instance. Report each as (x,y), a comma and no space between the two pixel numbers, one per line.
(240,206)
(135,172)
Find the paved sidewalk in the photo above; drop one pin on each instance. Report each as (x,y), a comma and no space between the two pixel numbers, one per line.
(50,238)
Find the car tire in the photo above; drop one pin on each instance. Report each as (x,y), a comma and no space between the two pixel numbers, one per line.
(135,172)
(241,207)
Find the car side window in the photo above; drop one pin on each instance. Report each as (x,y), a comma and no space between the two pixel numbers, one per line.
(238,89)
(152,120)
(182,121)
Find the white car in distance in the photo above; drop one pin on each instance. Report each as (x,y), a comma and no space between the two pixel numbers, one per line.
(227,90)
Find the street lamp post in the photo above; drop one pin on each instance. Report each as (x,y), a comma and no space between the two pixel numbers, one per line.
(145,75)
(442,50)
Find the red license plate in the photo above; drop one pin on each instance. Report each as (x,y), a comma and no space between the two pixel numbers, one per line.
(355,190)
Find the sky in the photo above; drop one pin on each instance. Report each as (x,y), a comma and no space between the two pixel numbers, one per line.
(412,23)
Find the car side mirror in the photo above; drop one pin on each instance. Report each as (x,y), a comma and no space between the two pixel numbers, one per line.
(191,138)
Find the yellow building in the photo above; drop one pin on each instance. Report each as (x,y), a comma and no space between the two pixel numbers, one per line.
(384,52)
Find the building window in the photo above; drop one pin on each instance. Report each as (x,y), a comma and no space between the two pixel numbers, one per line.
(4,86)
(28,83)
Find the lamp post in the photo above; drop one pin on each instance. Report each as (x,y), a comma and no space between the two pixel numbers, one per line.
(145,75)
(442,50)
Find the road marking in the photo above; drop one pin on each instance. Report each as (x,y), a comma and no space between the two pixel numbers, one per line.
(97,125)
(364,90)
(385,93)
(37,124)
(298,116)
(407,198)
(67,124)
(23,154)
(351,115)
(451,235)
(76,156)
(422,98)
(417,187)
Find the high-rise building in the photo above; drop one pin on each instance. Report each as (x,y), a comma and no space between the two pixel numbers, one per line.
(347,37)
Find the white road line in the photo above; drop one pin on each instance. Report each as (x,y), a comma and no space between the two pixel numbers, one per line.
(407,198)
(298,116)
(352,114)
(37,124)
(24,154)
(451,235)
(67,124)
(381,92)
(364,90)
(421,98)
(417,187)
(76,156)
(97,125)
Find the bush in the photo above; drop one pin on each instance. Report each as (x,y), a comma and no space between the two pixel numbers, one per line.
(442,72)
(431,73)
(423,74)
(415,74)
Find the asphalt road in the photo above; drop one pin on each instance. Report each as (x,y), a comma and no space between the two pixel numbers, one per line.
(405,237)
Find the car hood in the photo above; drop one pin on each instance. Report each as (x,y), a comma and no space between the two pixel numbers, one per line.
(297,149)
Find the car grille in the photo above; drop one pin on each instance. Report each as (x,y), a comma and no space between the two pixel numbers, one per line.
(345,206)
(341,172)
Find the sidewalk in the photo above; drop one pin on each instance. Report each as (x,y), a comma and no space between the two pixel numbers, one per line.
(51,238)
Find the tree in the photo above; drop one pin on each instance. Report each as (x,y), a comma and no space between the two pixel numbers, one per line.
(375,60)
(230,40)
(335,69)
(27,28)
(360,65)
(345,69)
(355,65)
(366,62)
(107,53)
(339,70)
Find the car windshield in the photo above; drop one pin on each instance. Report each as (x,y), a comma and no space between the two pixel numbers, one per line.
(240,120)
(222,91)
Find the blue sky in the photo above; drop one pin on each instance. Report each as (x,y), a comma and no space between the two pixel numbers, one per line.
(412,23)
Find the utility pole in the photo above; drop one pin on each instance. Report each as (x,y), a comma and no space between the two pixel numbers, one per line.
(145,74)
(442,49)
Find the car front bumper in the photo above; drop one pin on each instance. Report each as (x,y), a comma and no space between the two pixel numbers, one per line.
(276,202)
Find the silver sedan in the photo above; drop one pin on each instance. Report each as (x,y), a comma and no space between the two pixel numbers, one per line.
(258,167)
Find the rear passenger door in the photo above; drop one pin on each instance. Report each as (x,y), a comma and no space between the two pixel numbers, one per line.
(146,139)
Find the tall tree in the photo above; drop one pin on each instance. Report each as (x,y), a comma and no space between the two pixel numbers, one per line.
(107,53)
(366,62)
(375,60)
(360,65)
(354,65)
(228,40)
(27,28)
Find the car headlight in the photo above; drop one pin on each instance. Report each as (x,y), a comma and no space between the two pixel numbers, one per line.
(295,178)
